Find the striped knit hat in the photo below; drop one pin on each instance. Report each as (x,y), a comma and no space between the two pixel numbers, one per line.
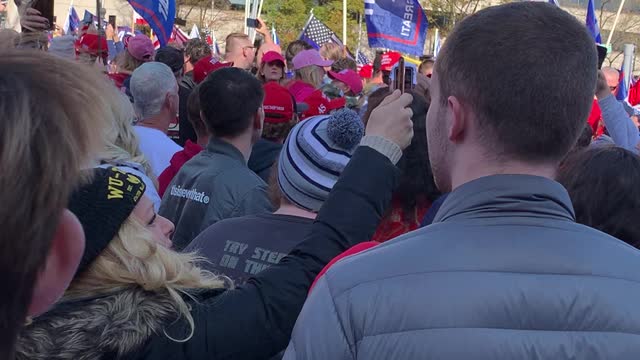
(314,155)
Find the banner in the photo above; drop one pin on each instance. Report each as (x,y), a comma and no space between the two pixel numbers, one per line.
(160,14)
(399,25)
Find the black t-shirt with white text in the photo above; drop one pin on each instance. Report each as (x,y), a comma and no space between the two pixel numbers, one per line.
(242,247)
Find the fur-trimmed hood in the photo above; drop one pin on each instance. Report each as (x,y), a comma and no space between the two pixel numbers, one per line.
(107,326)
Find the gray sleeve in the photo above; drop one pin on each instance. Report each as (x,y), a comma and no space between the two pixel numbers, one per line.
(619,125)
(319,333)
(256,201)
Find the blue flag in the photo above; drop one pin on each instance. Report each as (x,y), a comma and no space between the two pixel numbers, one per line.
(88,17)
(72,23)
(399,25)
(316,33)
(622,92)
(160,14)
(592,23)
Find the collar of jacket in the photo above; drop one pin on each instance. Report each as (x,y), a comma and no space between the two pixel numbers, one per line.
(507,196)
(217,146)
(115,323)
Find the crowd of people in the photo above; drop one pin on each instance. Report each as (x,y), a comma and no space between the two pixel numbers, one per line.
(307,209)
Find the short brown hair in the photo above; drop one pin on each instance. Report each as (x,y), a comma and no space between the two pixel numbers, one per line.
(344,63)
(231,42)
(52,117)
(193,112)
(294,48)
(604,198)
(197,49)
(528,70)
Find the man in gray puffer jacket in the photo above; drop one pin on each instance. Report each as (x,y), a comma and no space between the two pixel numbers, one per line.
(504,272)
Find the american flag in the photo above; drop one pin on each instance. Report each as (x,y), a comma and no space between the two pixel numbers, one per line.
(179,36)
(361,58)
(316,33)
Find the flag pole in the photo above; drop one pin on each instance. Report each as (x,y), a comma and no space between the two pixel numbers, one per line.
(100,30)
(615,22)
(344,22)
(359,35)
(307,23)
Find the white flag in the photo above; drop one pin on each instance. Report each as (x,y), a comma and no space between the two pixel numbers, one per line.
(195,33)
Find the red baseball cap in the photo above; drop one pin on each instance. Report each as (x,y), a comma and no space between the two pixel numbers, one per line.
(389,59)
(93,45)
(278,104)
(348,77)
(366,71)
(320,104)
(206,66)
(273,56)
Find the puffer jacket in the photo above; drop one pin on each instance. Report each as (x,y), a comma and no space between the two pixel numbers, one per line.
(250,322)
(504,272)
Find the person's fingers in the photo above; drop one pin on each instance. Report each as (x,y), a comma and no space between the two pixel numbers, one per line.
(405,100)
(390,98)
(32,11)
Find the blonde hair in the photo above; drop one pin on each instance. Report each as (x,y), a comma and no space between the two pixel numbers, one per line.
(127,63)
(332,51)
(312,74)
(134,259)
(121,141)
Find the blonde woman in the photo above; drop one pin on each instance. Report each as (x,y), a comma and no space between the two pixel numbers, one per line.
(309,70)
(332,51)
(138,50)
(133,298)
(122,148)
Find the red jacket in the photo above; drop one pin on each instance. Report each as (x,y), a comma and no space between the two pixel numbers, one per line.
(190,150)
(350,251)
(634,94)
(595,120)
(397,223)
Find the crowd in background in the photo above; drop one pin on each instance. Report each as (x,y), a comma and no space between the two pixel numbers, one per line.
(308,209)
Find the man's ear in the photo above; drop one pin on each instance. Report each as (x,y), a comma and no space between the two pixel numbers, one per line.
(258,119)
(459,120)
(60,267)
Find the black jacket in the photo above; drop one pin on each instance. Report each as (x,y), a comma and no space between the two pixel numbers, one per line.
(186,131)
(251,322)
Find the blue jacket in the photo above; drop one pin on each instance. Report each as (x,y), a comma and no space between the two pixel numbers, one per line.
(504,272)
(622,130)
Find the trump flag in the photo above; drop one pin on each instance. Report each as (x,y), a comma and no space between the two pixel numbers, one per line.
(399,25)
(160,14)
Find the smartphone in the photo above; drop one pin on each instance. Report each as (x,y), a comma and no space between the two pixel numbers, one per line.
(602,54)
(400,76)
(46,9)
(112,21)
(253,23)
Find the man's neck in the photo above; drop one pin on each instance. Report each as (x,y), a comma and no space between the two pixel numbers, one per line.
(479,169)
(188,67)
(203,140)
(159,122)
(242,143)
(291,210)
